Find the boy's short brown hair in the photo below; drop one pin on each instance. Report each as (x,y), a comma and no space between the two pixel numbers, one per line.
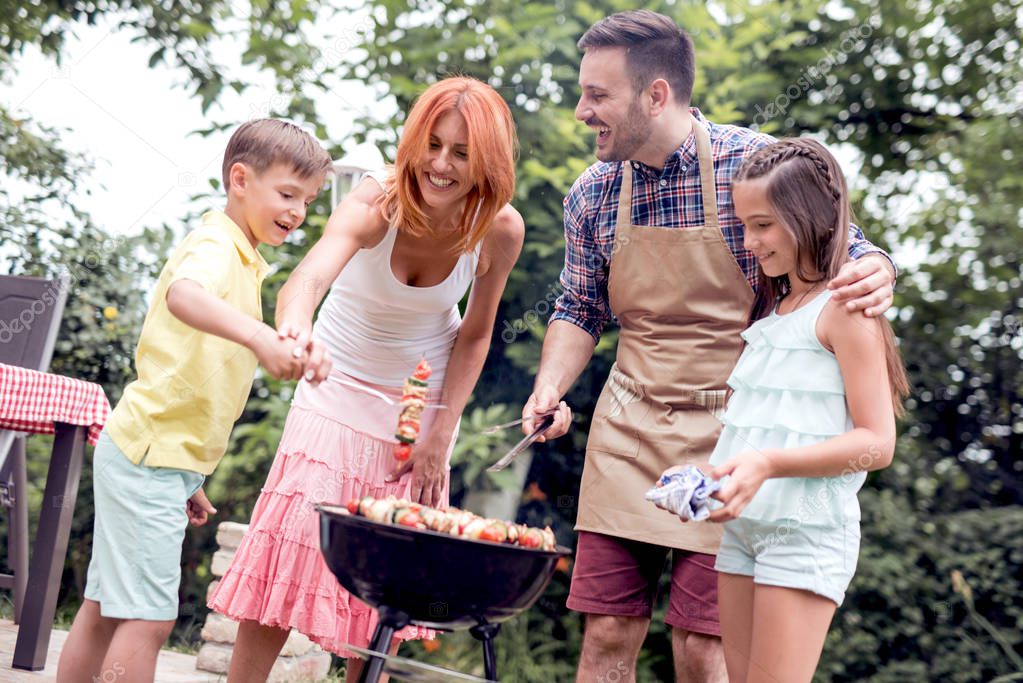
(261,143)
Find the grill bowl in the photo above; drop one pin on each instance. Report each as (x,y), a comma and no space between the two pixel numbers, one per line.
(440,581)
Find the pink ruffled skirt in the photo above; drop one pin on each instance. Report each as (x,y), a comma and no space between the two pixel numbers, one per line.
(336,446)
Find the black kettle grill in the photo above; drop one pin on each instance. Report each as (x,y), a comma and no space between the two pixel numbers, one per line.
(422,577)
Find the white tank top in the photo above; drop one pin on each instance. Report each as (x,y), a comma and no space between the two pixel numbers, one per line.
(377,328)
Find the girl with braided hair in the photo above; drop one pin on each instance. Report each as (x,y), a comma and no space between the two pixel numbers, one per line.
(815,395)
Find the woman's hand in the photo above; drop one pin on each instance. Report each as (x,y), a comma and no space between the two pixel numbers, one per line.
(748,472)
(298,328)
(429,473)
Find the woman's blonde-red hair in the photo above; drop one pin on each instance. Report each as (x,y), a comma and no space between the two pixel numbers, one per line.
(490,146)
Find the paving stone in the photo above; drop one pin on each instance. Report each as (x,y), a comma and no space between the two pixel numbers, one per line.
(219,629)
(229,534)
(214,657)
(221,561)
(305,669)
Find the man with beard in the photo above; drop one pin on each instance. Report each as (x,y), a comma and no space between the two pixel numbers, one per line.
(652,240)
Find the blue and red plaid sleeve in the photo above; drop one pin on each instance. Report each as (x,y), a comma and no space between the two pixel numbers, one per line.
(584,299)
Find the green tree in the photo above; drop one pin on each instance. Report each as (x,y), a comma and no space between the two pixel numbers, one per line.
(925,93)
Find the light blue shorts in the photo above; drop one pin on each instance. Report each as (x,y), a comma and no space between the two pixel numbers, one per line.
(140,521)
(819,559)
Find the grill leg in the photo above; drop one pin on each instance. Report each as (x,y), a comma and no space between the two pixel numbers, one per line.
(390,620)
(485,634)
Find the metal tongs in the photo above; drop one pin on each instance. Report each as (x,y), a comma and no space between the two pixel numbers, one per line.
(515,423)
(545,423)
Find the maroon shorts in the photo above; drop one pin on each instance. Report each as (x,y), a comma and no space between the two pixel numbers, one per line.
(620,577)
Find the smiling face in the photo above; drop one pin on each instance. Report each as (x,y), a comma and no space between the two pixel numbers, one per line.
(443,173)
(272,203)
(771,242)
(610,105)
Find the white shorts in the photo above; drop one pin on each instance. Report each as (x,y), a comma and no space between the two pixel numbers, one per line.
(819,559)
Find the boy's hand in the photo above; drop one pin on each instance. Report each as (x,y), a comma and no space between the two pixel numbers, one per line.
(199,508)
(278,356)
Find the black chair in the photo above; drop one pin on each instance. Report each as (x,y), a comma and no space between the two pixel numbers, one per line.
(30,314)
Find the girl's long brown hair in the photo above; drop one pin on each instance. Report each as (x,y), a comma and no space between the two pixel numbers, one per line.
(491,147)
(808,192)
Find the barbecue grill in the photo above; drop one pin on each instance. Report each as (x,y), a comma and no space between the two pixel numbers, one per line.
(418,576)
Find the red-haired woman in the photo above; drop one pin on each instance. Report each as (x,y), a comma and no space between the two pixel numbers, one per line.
(396,256)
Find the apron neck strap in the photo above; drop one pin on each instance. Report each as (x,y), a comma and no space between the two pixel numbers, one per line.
(625,195)
(706,161)
(707,187)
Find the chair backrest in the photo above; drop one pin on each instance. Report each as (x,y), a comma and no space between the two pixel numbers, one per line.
(30,313)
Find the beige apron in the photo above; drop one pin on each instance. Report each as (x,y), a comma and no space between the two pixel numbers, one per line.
(681,301)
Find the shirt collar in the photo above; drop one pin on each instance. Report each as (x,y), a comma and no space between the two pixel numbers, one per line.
(218,220)
(681,159)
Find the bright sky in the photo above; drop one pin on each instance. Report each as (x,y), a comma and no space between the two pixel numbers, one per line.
(135,123)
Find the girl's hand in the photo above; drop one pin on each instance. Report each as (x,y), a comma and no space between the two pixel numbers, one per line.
(198,508)
(667,473)
(429,473)
(748,471)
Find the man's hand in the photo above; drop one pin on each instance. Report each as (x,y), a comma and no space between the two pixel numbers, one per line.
(865,284)
(198,508)
(544,400)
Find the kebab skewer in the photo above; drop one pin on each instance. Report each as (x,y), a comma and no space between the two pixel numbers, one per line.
(413,401)
(452,521)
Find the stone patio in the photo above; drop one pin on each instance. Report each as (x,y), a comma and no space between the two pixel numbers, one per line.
(172,667)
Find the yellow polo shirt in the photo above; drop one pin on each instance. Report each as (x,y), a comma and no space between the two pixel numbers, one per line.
(192,386)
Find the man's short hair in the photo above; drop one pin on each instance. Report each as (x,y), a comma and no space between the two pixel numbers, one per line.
(655,47)
(261,143)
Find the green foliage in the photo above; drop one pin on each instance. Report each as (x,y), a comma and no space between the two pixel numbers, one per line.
(926,93)
(902,619)
(475,451)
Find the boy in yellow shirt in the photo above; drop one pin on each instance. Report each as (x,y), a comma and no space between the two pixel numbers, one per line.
(196,357)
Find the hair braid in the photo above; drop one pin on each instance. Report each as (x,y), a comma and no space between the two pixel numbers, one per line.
(766,159)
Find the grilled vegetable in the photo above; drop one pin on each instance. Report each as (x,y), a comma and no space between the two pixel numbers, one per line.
(413,400)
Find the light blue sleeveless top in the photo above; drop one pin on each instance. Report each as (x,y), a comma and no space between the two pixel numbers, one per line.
(788,392)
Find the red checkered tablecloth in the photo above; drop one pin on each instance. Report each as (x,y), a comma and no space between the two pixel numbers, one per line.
(31,401)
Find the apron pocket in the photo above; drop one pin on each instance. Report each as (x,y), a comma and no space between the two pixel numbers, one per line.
(713,400)
(613,429)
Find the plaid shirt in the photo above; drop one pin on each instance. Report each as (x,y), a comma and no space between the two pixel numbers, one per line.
(670,198)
